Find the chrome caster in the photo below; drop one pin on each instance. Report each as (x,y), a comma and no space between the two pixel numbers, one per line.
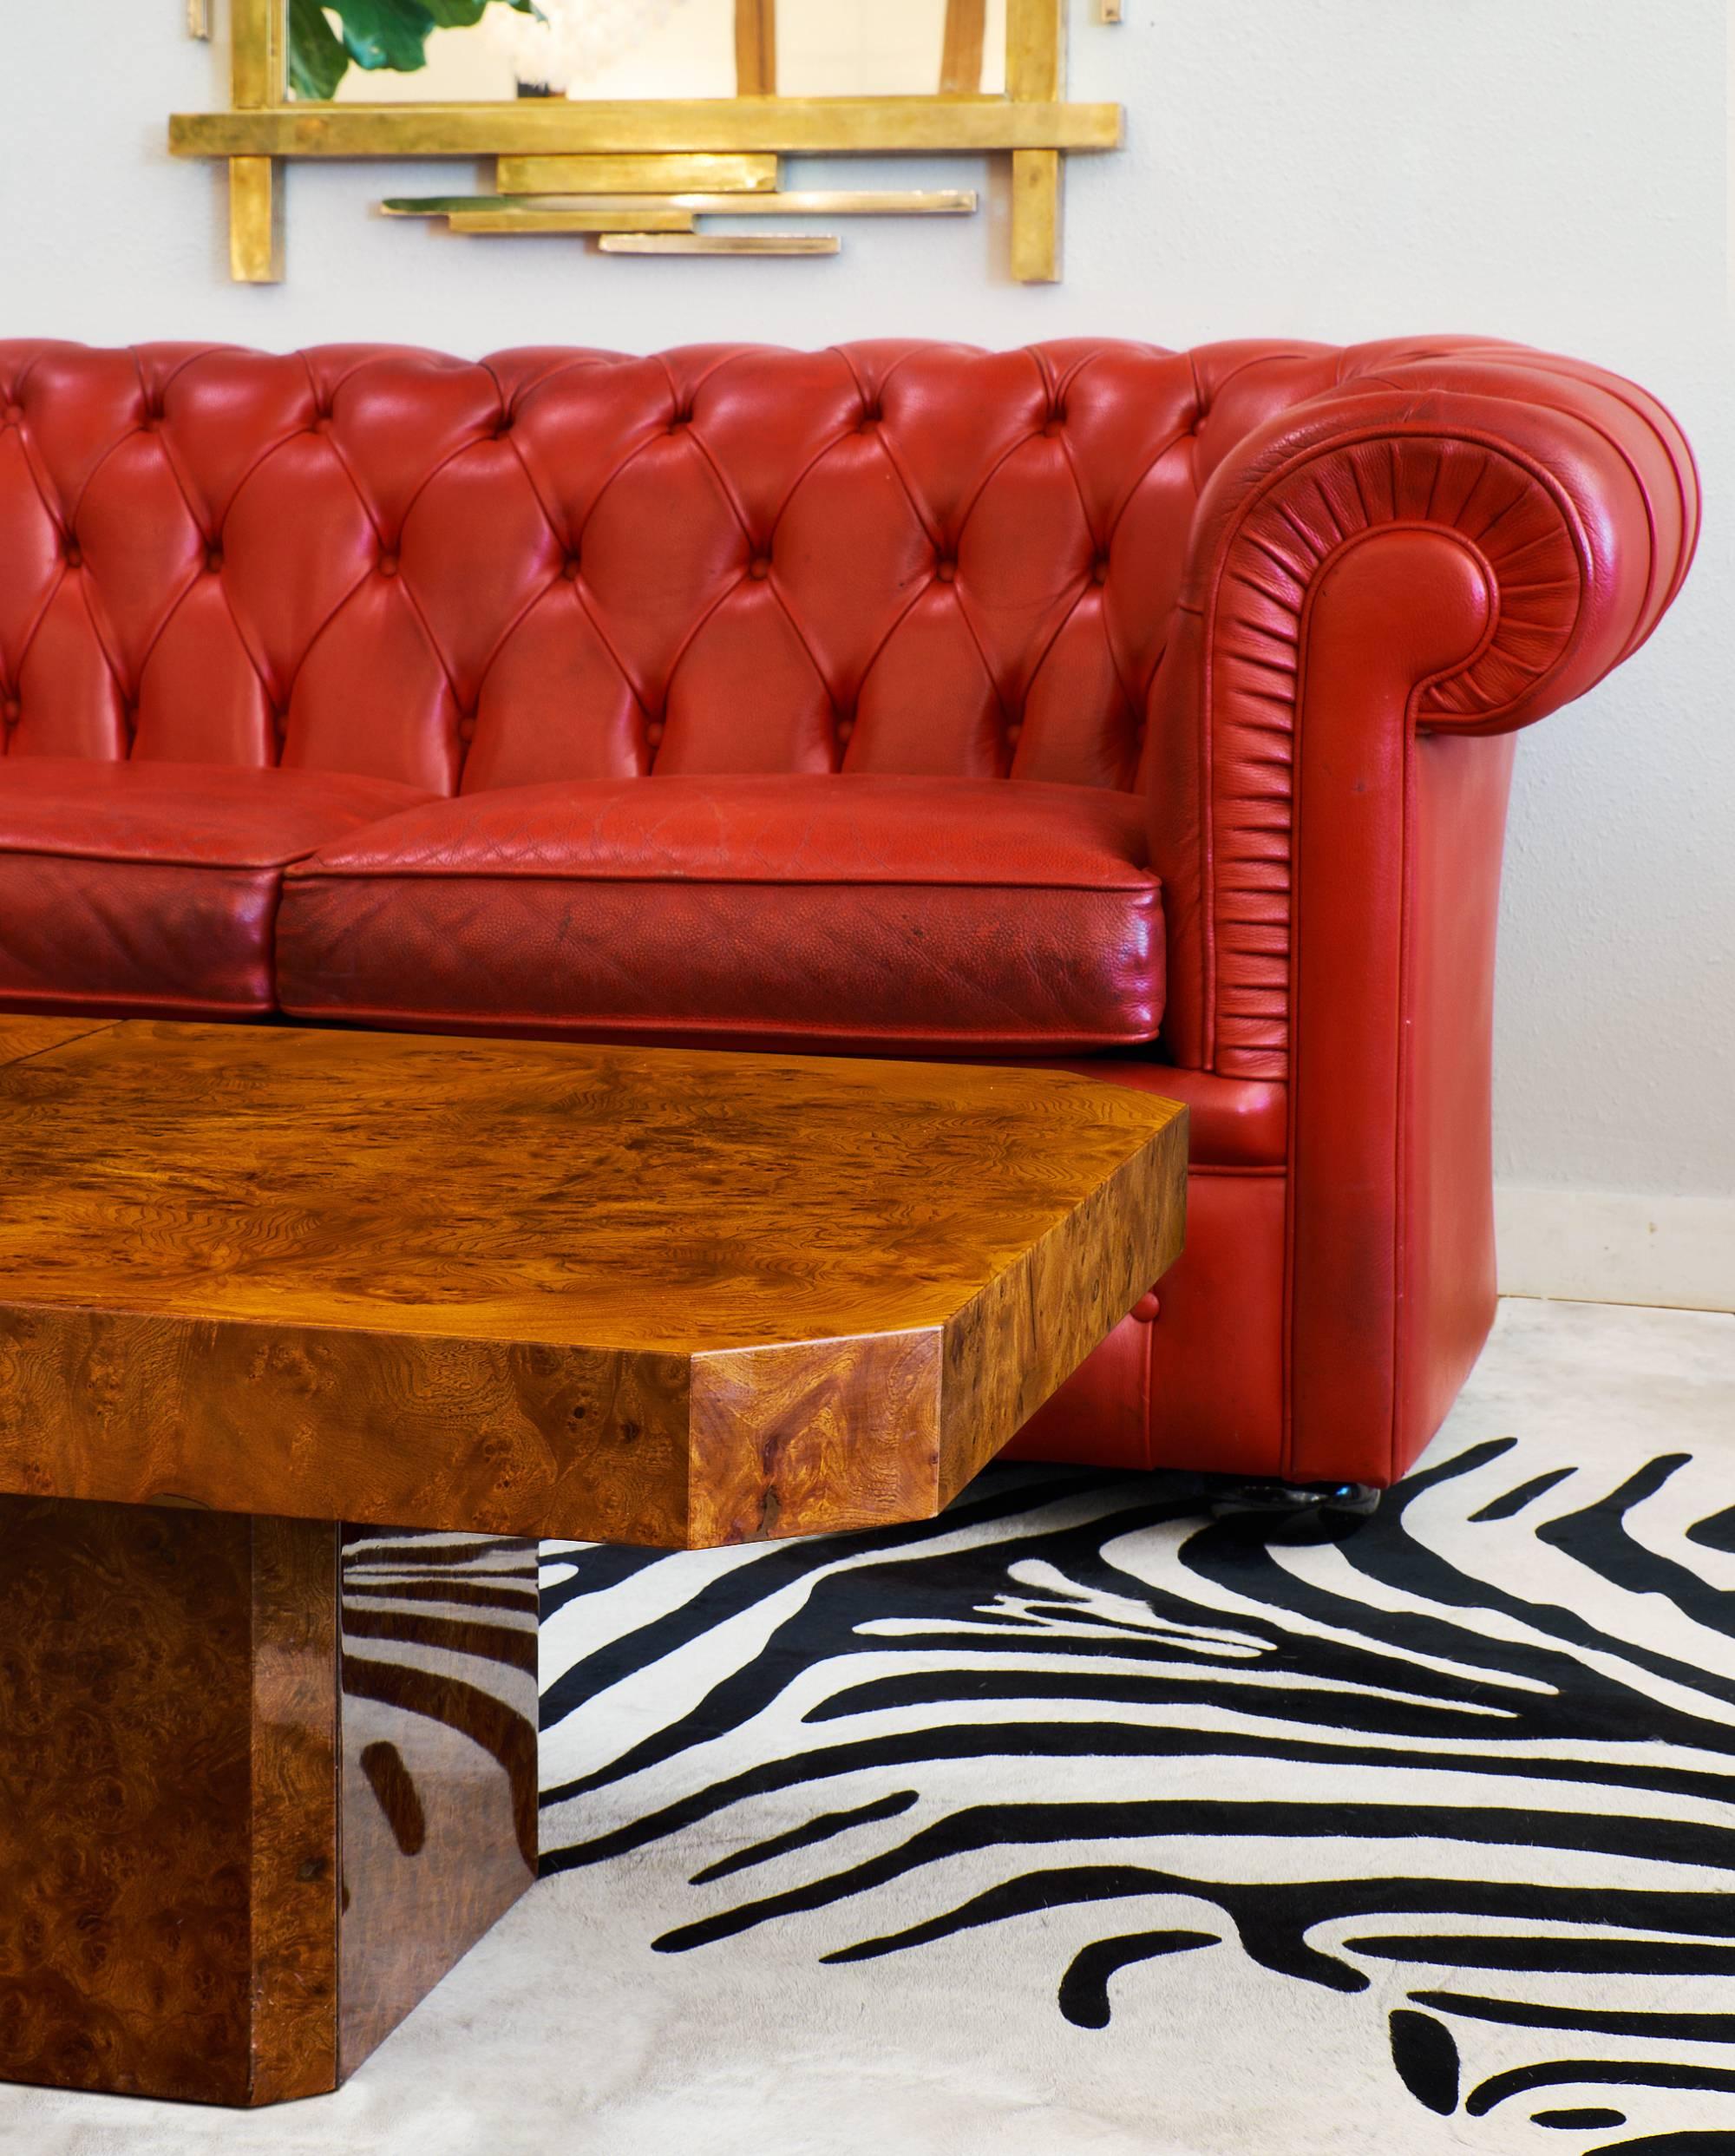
(1290,1512)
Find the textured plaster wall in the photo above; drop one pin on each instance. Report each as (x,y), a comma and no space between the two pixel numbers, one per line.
(1541,169)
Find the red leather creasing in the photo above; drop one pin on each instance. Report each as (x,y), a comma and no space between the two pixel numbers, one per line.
(151,889)
(946,916)
(195,815)
(791,830)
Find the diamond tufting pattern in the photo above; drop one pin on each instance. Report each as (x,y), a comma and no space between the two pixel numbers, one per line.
(896,559)
(890,559)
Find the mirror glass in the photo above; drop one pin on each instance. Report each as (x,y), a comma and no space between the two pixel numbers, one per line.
(465,51)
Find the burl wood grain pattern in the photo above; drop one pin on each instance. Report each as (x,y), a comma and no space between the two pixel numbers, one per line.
(532,1289)
(141,1831)
(294,1830)
(252,1805)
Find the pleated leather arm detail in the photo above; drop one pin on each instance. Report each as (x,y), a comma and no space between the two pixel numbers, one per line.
(1576,493)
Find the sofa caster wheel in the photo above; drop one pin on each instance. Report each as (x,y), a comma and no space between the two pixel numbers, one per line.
(1291,1512)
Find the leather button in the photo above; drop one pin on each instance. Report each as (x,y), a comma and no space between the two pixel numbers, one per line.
(467,727)
(502,431)
(322,424)
(75,557)
(1147,1309)
(9,711)
(1100,570)
(569,568)
(214,559)
(15,414)
(388,565)
(760,568)
(946,570)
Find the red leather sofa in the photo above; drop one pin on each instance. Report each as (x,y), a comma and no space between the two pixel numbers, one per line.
(1145,712)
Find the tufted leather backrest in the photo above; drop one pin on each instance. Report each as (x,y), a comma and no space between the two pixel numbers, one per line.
(908,558)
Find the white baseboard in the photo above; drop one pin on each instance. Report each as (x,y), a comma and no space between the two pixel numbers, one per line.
(1616,1246)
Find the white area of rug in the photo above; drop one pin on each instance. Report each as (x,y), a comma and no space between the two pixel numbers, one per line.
(1472,1772)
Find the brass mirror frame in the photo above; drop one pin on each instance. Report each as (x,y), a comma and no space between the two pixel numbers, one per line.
(265,130)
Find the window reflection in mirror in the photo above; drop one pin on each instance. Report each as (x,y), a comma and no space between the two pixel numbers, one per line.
(397,51)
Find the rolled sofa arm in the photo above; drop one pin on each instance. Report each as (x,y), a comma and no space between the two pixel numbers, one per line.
(1562,507)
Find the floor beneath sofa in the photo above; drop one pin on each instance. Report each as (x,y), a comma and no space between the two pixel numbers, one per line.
(1064,1825)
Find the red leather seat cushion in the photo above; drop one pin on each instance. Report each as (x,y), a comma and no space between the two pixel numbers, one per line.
(813,912)
(150,889)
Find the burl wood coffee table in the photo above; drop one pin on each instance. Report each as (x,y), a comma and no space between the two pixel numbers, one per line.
(305,1337)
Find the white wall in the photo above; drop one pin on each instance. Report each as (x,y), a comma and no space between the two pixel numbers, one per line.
(1539,169)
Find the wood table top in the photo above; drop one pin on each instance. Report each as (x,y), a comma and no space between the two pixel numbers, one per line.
(661,1296)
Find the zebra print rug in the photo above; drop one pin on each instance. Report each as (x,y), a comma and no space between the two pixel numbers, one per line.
(1066,1825)
(1420,1842)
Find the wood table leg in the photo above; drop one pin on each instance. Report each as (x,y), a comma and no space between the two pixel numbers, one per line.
(262,1782)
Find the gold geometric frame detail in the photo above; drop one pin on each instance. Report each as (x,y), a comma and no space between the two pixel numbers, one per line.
(265,130)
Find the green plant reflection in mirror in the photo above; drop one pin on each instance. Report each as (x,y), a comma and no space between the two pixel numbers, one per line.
(461,51)
(325,41)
